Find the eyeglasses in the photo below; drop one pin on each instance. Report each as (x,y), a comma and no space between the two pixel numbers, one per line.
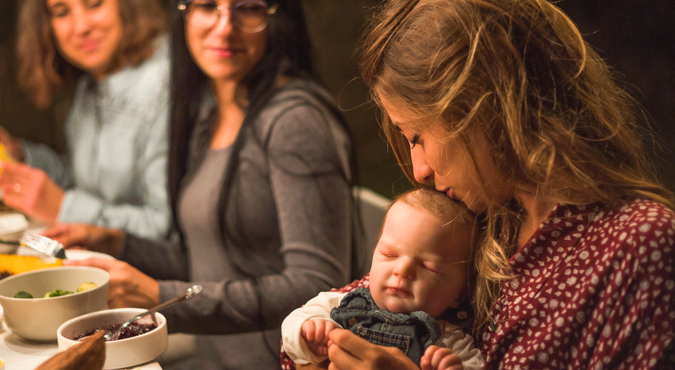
(250,16)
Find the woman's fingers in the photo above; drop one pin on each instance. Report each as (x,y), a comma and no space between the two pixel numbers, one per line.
(69,235)
(56,231)
(341,352)
(31,191)
(101,263)
(347,351)
(128,286)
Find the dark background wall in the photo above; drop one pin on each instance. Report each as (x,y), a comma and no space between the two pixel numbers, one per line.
(635,37)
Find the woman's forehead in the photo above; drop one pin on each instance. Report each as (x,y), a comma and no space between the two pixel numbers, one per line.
(402,119)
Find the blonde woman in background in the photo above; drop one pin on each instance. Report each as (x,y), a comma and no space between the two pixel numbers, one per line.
(115,170)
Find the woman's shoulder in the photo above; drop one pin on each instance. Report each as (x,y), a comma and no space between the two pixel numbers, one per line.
(636,213)
(300,94)
(299,106)
(160,61)
(147,79)
(637,227)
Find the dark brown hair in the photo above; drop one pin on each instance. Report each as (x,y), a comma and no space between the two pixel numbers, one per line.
(43,71)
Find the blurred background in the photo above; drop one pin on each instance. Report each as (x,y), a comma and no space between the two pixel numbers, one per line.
(635,37)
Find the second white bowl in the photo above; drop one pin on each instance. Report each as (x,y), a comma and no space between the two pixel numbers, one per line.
(120,353)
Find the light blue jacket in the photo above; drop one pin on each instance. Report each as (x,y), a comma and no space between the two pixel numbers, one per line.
(115,171)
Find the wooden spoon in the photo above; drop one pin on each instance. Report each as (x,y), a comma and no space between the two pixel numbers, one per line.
(88,354)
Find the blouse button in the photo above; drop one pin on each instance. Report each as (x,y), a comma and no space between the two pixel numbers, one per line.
(462,315)
(492,326)
(353,321)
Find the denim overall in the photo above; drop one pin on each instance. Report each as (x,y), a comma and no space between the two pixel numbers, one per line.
(412,333)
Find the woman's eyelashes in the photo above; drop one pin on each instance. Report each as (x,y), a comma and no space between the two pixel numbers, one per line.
(58,11)
(413,142)
(205,6)
(94,4)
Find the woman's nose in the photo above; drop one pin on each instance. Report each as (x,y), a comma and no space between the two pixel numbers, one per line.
(422,172)
(82,21)
(224,23)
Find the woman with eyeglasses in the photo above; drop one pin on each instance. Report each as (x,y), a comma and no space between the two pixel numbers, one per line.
(260,185)
(114,171)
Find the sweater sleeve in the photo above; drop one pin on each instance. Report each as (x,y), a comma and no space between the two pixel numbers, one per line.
(313,206)
(318,307)
(160,259)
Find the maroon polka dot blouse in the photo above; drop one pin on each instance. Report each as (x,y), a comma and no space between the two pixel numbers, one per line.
(595,290)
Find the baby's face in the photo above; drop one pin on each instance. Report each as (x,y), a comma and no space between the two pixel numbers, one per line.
(417,264)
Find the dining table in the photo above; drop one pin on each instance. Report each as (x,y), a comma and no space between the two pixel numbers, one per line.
(22,354)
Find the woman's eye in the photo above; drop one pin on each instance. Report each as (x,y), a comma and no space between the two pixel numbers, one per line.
(415,139)
(94,4)
(247,9)
(58,11)
(204,6)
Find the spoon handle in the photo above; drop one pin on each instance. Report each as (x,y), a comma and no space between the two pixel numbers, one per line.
(189,293)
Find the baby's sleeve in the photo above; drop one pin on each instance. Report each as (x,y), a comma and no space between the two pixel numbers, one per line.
(462,344)
(318,307)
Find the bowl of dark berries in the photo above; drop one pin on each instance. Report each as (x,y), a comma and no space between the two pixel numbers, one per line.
(143,341)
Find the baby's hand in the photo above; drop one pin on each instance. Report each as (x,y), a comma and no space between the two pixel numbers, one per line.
(315,333)
(437,358)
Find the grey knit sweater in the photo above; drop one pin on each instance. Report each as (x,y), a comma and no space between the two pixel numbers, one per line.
(289,214)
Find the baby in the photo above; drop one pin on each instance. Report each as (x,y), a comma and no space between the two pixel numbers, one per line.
(417,299)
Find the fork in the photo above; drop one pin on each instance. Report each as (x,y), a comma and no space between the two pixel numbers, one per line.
(44,244)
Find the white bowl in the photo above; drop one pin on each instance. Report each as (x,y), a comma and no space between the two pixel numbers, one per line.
(12,225)
(37,319)
(120,353)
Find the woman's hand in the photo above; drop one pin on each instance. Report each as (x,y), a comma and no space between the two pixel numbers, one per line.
(128,286)
(91,237)
(30,191)
(12,145)
(349,352)
(321,366)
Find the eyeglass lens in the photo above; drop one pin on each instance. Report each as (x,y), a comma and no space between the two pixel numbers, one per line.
(248,15)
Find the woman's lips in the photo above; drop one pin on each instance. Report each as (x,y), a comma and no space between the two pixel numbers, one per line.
(450,193)
(224,52)
(89,45)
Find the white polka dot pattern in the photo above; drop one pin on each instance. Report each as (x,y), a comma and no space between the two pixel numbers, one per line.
(595,290)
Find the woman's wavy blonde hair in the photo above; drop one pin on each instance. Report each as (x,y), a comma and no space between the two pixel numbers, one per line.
(518,73)
(43,71)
